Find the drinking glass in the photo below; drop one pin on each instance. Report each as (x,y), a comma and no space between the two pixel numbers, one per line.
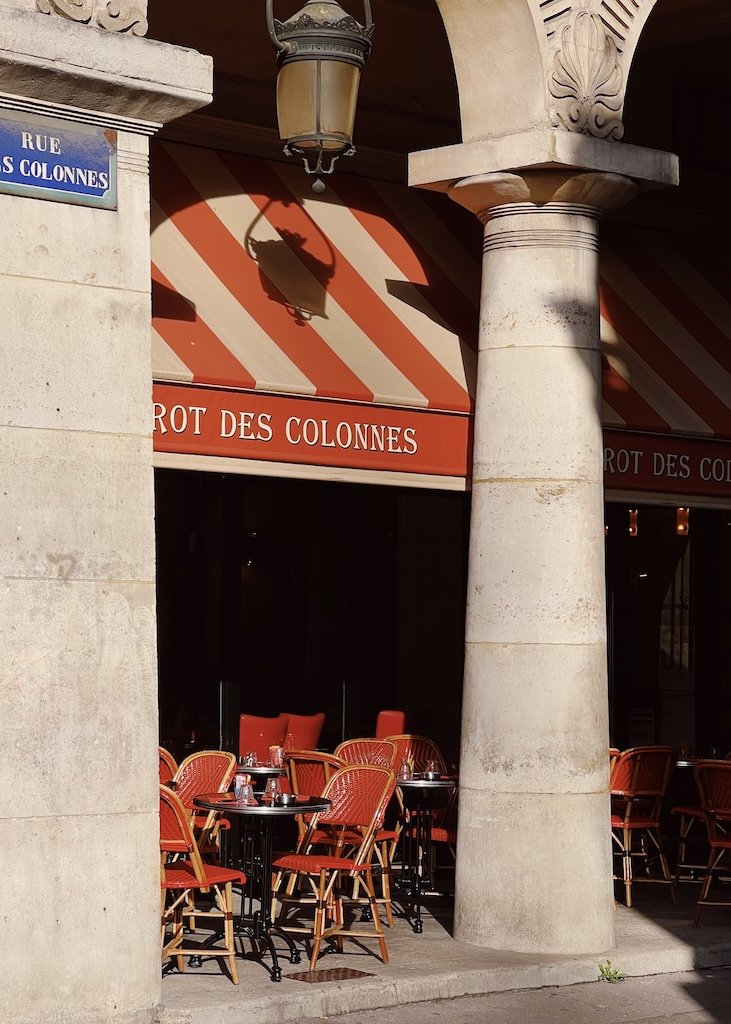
(240,782)
(404,771)
(247,795)
(271,789)
(276,756)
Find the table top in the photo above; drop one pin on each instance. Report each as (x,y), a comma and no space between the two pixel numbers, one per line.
(258,769)
(227,802)
(417,782)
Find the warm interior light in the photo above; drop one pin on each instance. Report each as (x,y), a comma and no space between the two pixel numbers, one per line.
(682,522)
(632,528)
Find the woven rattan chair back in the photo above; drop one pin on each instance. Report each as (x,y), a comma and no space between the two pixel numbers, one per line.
(309,770)
(206,771)
(369,751)
(419,750)
(358,796)
(167,765)
(176,833)
(641,776)
(713,779)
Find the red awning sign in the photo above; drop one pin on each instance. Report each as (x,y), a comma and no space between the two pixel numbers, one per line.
(663,464)
(277,428)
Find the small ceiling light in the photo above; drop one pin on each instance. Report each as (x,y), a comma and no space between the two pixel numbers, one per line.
(632,528)
(682,522)
(321,52)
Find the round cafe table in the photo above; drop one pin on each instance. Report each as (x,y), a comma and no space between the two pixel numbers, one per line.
(413,882)
(255,826)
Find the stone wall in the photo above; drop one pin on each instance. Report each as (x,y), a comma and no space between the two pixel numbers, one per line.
(78,729)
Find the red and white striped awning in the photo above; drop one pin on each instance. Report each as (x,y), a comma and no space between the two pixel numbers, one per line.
(666,332)
(363,294)
(357,310)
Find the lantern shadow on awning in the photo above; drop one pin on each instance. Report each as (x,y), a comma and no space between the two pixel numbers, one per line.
(290,274)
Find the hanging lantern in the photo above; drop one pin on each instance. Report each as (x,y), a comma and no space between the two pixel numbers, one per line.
(321,52)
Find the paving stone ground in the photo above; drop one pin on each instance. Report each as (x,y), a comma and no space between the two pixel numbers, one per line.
(432,974)
(696,997)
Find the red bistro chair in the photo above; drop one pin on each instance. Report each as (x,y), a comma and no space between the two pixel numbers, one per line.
(359,795)
(304,731)
(385,754)
(167,765)
(205,771)
(390,723)
(259,734)
(639,782)
(692,818)
(419,750)
(308,772)
(185,876)
(713,779)
(369,751)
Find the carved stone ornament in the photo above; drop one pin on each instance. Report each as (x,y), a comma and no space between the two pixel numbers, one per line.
(112,15)
(587,81)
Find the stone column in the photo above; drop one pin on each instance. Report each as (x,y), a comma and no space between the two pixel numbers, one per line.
(534,863)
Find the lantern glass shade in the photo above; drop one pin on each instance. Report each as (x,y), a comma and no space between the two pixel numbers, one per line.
(316,102)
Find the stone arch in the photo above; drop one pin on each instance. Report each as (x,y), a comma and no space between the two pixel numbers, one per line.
(498,61)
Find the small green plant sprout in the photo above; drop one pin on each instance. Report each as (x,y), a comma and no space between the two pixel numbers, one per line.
(609,973)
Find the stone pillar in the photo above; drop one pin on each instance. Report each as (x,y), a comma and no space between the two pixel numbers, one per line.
(534,863)
(79,885)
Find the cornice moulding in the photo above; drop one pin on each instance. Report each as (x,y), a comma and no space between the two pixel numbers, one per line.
(55,61)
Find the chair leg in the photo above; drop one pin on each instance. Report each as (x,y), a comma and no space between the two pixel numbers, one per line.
(657,843)
(627,864)
(376,916)
(319,923)
(384,862)
(178,934)
(713,862)
(228,931)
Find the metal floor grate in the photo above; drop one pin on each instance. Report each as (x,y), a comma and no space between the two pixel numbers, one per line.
(327,974)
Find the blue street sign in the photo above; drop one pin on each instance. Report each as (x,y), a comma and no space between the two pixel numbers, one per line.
(52,159)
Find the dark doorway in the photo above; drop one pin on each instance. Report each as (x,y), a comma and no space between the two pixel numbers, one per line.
(669,616)
(302,596)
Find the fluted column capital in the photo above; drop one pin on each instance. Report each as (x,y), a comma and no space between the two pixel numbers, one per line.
(554,190)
